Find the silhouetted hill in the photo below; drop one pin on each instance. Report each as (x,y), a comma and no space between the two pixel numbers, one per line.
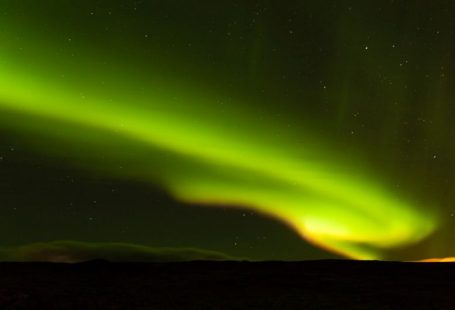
(200,285)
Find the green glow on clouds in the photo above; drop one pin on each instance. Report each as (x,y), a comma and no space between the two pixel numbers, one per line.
(223,155)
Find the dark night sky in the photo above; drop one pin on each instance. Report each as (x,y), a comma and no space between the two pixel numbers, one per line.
(120,119)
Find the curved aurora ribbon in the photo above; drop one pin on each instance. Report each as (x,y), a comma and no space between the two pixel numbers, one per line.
(211,155)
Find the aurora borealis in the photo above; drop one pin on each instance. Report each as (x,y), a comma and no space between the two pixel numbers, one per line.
(331,117)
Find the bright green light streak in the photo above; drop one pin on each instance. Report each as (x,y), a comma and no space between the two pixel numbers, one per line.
(349,215)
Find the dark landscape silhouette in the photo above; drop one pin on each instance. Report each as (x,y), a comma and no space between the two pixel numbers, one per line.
(329,284)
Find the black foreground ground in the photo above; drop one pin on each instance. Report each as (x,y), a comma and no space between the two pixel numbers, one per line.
(228,285)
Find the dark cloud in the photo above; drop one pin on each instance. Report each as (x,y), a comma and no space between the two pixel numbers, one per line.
(74,251)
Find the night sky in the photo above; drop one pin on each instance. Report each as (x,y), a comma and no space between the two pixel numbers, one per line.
(285,130)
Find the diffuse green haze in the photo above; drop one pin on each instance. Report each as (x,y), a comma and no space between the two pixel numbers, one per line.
(199,150)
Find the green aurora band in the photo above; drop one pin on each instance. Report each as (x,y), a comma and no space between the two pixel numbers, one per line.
(198,151)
